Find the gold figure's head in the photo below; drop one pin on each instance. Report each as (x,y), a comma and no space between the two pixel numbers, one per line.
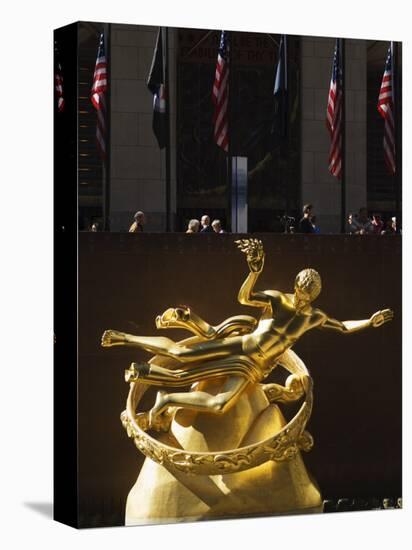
(308,285)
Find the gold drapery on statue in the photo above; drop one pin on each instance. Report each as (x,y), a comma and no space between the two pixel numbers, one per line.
(224,448)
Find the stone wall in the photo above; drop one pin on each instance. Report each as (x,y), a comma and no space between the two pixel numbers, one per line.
(319,187)
(138,166)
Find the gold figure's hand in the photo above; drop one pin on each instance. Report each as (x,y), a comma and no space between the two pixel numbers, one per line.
(255,255)
(381,317)
(113,338)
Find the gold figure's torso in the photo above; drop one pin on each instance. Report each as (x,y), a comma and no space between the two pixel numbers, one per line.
(279,327)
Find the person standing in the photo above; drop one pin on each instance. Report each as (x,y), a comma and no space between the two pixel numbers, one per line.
(377,224)
(193,226)
(388,228)
(305,223)
(217,226)
(205,223)
(139,221)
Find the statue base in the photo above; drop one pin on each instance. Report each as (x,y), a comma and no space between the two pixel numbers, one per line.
(273,488)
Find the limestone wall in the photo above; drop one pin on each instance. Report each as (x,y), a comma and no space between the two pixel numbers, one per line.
(319,187)
(138,166)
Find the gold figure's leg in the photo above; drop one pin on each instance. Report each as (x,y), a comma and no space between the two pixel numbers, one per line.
(160,345)
(235,382)
(156,375)
(153,344)
(200,400)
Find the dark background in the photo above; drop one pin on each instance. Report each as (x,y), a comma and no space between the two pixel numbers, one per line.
(65,494)
(125,280)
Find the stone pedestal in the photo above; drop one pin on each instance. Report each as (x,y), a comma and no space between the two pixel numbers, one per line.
(271,488)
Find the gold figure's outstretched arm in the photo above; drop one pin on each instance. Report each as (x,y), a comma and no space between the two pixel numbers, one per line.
(255,256)
(347,327)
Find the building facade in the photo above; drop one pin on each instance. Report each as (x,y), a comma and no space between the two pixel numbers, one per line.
(280,179)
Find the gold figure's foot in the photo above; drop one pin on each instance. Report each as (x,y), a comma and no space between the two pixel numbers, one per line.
(158,417)
(113,338)
(136,371)
(161,423)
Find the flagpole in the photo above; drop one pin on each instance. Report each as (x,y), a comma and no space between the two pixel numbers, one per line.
(230,133)
(343,138)
(285,122)
(279,128)
(398,130)
(106,162)
(165,32)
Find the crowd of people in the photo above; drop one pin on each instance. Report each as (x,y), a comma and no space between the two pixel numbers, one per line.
(357,224)
(204,225)
(362,224)
(194,226)
(359,504)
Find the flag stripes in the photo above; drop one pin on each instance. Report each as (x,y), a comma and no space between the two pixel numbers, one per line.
(334,115)
(220,95)
(386,107)
(98,97)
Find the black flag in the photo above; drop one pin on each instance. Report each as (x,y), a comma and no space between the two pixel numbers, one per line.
(280,91)
(156,84)
(270,132)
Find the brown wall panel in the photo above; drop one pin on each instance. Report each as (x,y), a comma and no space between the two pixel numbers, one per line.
(125,280)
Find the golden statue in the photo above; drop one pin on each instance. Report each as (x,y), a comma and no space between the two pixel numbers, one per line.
(224,448)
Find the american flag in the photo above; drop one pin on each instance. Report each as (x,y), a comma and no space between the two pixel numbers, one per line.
(334,115)
(220,94)
(386,107)
(98,98)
